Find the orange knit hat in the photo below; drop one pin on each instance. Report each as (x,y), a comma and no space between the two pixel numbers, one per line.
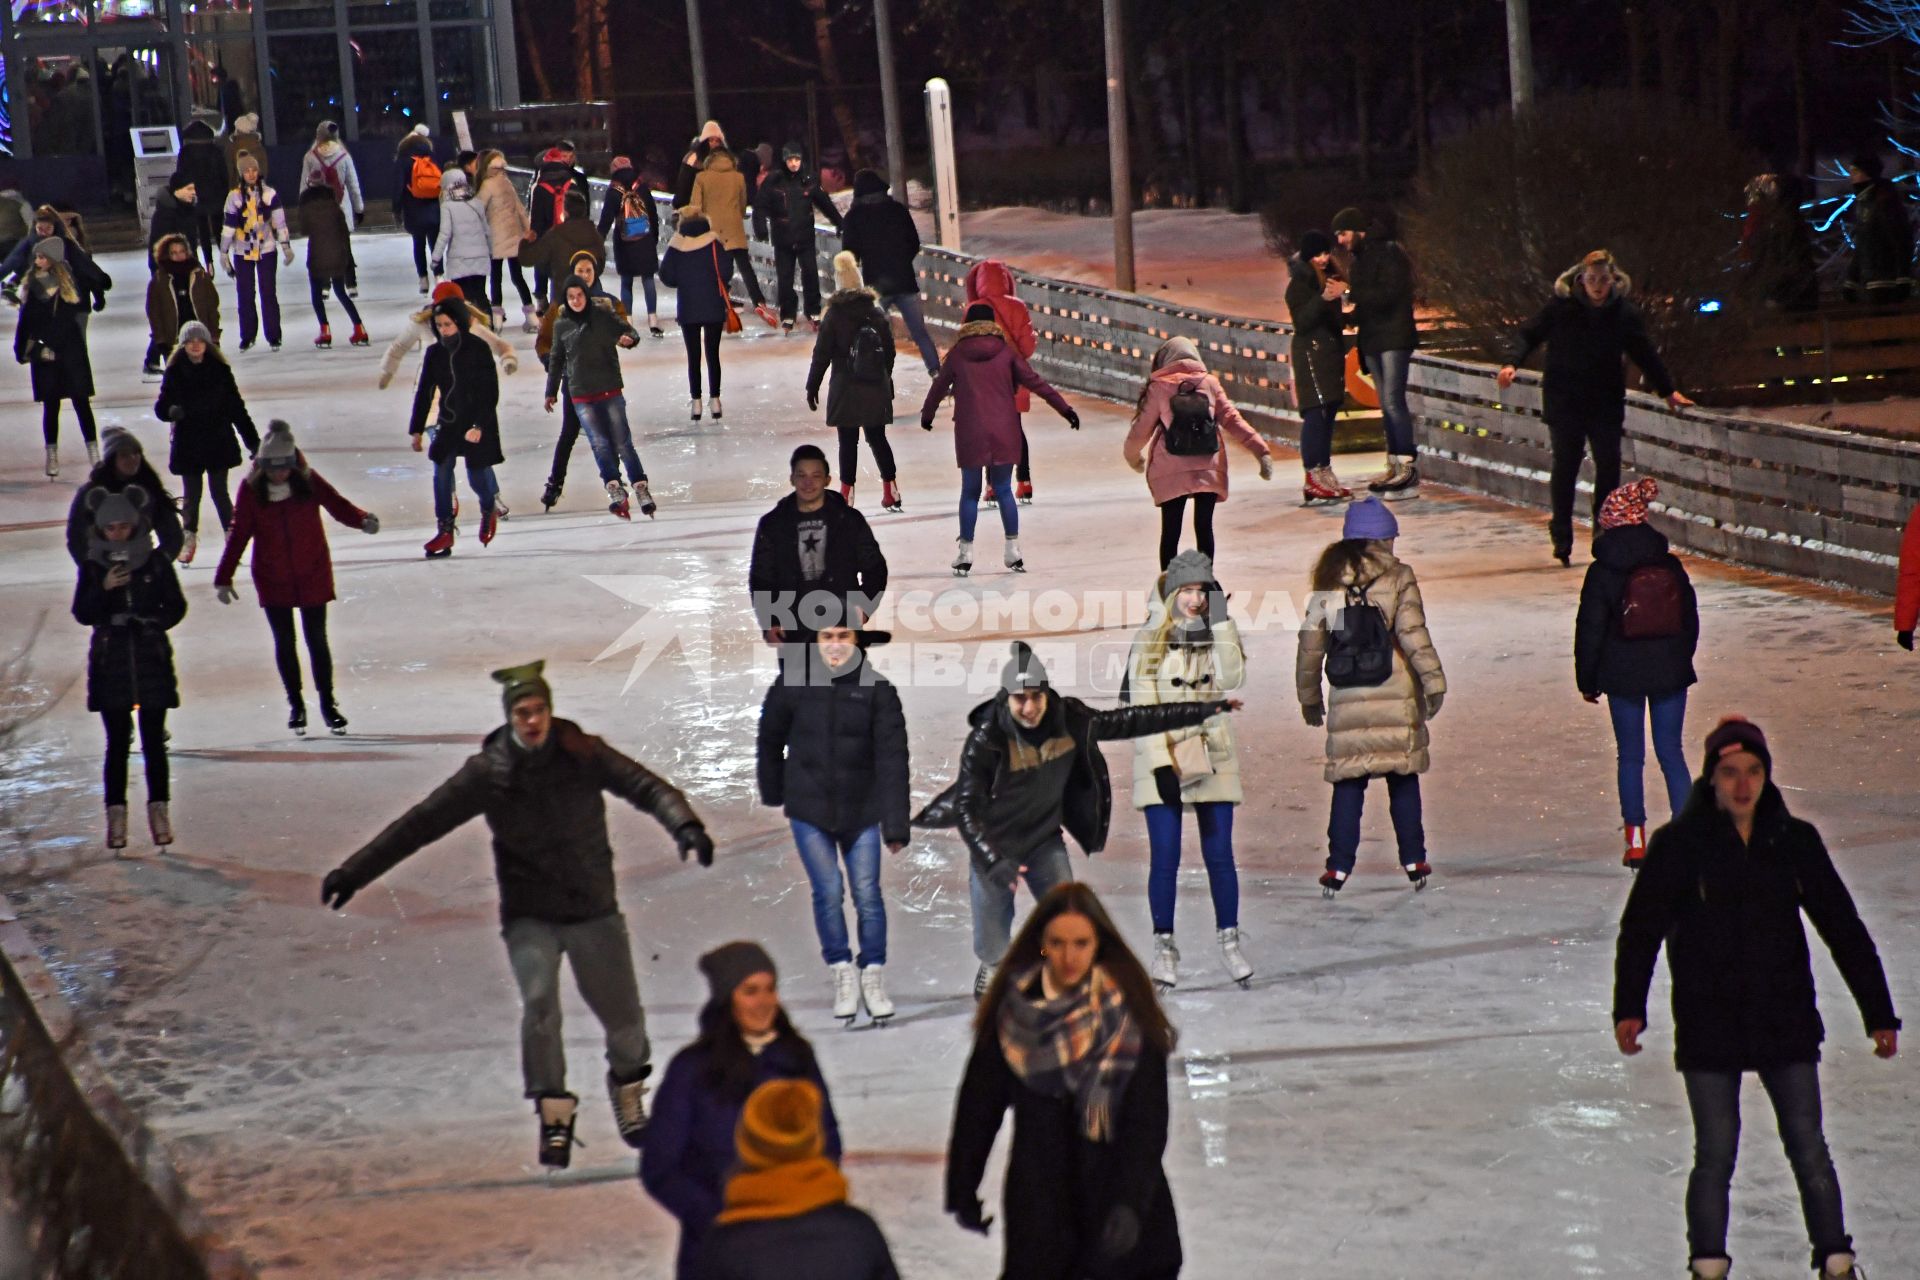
(780,1125)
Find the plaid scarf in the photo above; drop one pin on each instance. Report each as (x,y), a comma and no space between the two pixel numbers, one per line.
(1081,1044)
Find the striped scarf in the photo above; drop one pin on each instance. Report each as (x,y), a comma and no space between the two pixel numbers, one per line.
(1081,1044)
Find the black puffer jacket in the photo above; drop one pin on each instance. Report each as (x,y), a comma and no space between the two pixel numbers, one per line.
(1319,349)
(548,814)
(879,231)
(469,390)
(833,750)
(211,412)
(1585,382)
(639,256)
(1382,290)
(1606,662)
(851,402)
(783,208)
(130,661)
(164,514)
(1729,914)
(856,571)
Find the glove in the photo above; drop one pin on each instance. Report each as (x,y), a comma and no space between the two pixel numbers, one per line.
(440,268)
(1167,783)
(1003,873)
(1315,715)
(1433,704)
(1266,467)
(335,891)
(286,253)
(176,413)
(971,1215)
(813,402)
(926,422)
(1073,420)
(1121,1233)
(1904,639)
(226,264)
(225,593)
(371,524)
(99,302)
(386,380)
(510,364)
(693,838)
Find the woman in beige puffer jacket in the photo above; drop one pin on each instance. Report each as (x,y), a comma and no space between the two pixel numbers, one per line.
(1189,651)
(508,227)
(1378,731)
(720,196)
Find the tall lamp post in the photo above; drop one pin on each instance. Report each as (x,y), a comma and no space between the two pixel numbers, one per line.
(1119,161)
(890,104)
(699,54)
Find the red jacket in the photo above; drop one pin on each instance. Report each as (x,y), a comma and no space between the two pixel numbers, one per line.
(991,282)
(291,564)
(1906,599)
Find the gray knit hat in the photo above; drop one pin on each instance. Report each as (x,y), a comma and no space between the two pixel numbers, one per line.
(732,963)
(1023,670)
(192,330)
(1188,569)
(277,448)
(53,249)
(118,439)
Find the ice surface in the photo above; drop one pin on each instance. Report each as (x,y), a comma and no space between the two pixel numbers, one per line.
(1414,1087)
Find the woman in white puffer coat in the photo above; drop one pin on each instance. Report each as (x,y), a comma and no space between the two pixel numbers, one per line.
(1374,730)
(463,253)
(1189,651)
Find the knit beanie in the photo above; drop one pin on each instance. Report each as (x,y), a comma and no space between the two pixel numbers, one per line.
(583,255)
(53,249)
(180,178)
(846,271)
(1314,243)
(420,131)
(1736,733)
(980,311)
(524,681)
(192,330)
(732,963)
(126,506)
(118,440)
(247,163)
(1349,219)
(327,131)
(1188,569)
(452,181)
(447,289)
(1628,503)
(1370,519)
(1023,670)
(792,151)
(248,123)
(1175,349)
(123,507)
(780,1124)
(276,447)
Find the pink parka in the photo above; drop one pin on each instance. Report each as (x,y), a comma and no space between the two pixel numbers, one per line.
(1171,476)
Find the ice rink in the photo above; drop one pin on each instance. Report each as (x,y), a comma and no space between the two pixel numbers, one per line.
(1414,1086)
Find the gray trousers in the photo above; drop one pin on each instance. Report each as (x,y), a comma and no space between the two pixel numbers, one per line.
(602,960)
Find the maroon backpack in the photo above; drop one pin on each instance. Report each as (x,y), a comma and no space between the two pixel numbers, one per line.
(1654,605)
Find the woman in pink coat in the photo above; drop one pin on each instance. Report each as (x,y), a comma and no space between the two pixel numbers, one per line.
(984,372)
(1181,406)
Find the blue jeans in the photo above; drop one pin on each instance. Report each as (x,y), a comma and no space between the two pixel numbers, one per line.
(605,422)
(1046,866)
(1001,477)
(1794,1091)
(1389,370)
(908,305)
(1216,850)
(646,284)
(821,852)
(1403,802)
(485,487)
(1669,713)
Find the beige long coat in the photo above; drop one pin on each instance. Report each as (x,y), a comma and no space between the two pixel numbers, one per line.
(1203,675)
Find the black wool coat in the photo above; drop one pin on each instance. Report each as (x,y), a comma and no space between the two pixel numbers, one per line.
(639,257)
(851,402)
(52,323)
(1319,349)
(1061,1185)
(856,570)
(833,750)
(469,390)
(1586,381)
(1606,662)
(130,660)
(212,411)
(784,206)
(879,231)
(1729,917)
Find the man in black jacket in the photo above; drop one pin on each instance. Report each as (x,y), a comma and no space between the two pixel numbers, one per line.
(539,782)
(1032,764)
(783,213)
(1723,887)
(815,560)
(1381,290)
(879,231)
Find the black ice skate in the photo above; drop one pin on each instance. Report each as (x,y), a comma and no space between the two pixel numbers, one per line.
(297,718)
(330,713)
(1417,873)
(557,1113)
(1330,882)
(551,494)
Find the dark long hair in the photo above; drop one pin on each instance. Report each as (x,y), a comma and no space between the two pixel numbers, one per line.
(1340,561)
(146,477)
(729,1070)
(1111,953)
(298,485)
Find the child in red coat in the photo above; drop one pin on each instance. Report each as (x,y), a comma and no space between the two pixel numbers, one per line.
(991,282)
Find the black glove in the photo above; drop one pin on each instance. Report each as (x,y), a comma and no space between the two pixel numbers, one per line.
(693,838)
(1904,639)
(335,891)
(971,1215)
(813,400)
(1121,1233)
(99,302)
(926,422)
(1168,783)
(176,413)
(1003,873)
(1073,420)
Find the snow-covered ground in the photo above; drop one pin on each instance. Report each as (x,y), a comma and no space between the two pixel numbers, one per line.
(1416,1086)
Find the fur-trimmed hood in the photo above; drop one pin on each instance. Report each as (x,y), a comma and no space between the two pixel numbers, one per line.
(853,297)
(1565,286)
(981,329)
(160,247)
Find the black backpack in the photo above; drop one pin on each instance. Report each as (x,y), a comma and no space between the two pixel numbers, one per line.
(1360,650)
(1192,433)
(867,356)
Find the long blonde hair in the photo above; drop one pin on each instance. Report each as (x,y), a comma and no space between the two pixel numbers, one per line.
(483,162)
(1154,650)
(68,291)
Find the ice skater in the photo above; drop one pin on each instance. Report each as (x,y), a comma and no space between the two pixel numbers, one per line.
(1380,294)
(721,195)
(131,598)
(123,463)
(1070,1037)
(1032,764)
(856,343)
(540,783)
(1722,889)
(629,214)
(880,234)
(463,248)
(419,328)
(329,262)
(584,267)
(746,1040)
(982,371)
(783,210)
(50,338)
(279,514)
(1181,425)
(458,368)
(1319,357)
(991,282)
(814,559)
(201,403)
(587,341)
(1365,631)
(1189,651)
(255,223)
(416,198)
(179,291)
(1634,641)
(697,269)
(832,753)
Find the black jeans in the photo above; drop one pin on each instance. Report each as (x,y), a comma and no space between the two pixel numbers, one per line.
(1795,1093)
(743,263)
(317,287)
(1316,435)
(785,261)
(563,447)
(519,282)
(1172,516)
(153,747)
(697,336)
(850,451)
(1570,443)
(286,653)
(475,290)
(50,420)
(422,250)
(216,482)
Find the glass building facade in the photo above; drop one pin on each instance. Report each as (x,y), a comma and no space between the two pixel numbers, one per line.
(77,75)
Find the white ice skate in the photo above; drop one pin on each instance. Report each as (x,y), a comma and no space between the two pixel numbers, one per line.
(963,558)
(1237,967)
(116,826)
(1012,557)
(846,992)
(530,319)
(1841,1266)
(53,461)
(629,1109)
(1165,969)
(159,823)
(873,992)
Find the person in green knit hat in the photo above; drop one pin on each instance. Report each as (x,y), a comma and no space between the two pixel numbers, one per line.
(539,782)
